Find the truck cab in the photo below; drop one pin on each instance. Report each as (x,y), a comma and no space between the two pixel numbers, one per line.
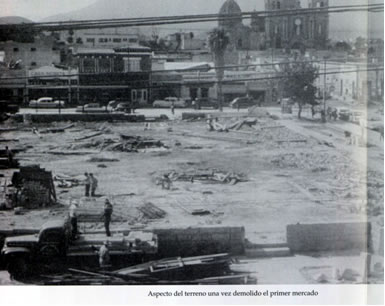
(50,244)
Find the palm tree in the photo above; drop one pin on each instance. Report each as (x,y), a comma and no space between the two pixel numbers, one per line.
(218,42)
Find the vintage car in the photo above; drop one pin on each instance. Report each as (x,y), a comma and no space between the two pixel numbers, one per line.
(205,103)
(167,102)
(46,102)
(243,102)
(91,108)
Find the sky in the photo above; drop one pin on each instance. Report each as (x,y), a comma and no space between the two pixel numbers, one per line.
(39,9)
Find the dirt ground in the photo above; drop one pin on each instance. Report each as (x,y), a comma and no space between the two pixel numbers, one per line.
(297,171)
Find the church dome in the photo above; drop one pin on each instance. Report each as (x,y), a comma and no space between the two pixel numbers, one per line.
(230,7)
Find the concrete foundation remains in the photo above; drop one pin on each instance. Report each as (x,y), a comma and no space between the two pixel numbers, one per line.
(200,241)
(329,237)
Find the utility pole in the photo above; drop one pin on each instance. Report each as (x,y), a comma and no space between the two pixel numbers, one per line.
(324,92)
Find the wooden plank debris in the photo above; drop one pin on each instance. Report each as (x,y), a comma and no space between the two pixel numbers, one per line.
(89,136)
(150,211)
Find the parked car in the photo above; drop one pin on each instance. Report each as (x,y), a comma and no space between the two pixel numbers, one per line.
(205,102)
(91,108)
(344,114)
(125,107)
(167,102)
(8,107)
(46,102)
(356,116)
(244,102)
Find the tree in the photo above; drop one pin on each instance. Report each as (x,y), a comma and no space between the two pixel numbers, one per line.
(298,83)
(218,42)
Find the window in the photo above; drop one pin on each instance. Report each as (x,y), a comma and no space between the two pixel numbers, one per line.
(88,65)
(54,49)
(144,95)
(33,49)
(101,40)
(104,65)
(124,39)
(134,95)
(134,64)
(278,5)
(132,40)
(91,40)
(117,40)
(33,63)
(322,4)
(15,49)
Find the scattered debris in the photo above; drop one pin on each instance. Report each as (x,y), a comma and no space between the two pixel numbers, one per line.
(102,160)
(150,211)
(89,136)
(206,176)
(200,212)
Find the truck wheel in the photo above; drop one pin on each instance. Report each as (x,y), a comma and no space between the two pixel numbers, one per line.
(17,267)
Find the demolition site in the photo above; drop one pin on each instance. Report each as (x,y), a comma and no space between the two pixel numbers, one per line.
(190,200)
(247,152)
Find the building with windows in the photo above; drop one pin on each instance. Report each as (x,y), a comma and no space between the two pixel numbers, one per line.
(101,38)
(109,74)
(43,51)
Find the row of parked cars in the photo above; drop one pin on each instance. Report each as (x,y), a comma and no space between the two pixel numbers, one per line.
(127,106)
(199,103)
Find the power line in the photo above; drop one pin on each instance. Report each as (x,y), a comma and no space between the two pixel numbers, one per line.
(152,21)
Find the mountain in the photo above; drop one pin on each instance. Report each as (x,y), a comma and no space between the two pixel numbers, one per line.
(14,19)
(341,25)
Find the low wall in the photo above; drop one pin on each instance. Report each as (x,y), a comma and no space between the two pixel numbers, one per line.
(200,241)
(329,236)
(47,118)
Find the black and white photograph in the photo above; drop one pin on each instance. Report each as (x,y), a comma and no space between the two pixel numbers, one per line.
(184,143)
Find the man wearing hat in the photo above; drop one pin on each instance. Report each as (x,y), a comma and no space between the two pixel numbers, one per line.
(107,216)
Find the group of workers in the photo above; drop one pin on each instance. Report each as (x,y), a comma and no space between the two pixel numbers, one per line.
(104,257)
(91,184)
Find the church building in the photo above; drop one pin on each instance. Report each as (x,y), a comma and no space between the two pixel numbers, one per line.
(281,30)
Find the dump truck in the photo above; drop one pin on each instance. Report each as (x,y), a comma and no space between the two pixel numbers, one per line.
(52,248)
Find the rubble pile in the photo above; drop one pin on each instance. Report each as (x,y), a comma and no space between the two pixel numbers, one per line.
(150,211)
(305,160)
(124,144)
(208,176)
(33,187)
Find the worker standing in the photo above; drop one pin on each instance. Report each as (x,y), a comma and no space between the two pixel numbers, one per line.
(104,256)
(74,219)
(9,154)
(94,184)
(87,183)
(107,216)
(173,108)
